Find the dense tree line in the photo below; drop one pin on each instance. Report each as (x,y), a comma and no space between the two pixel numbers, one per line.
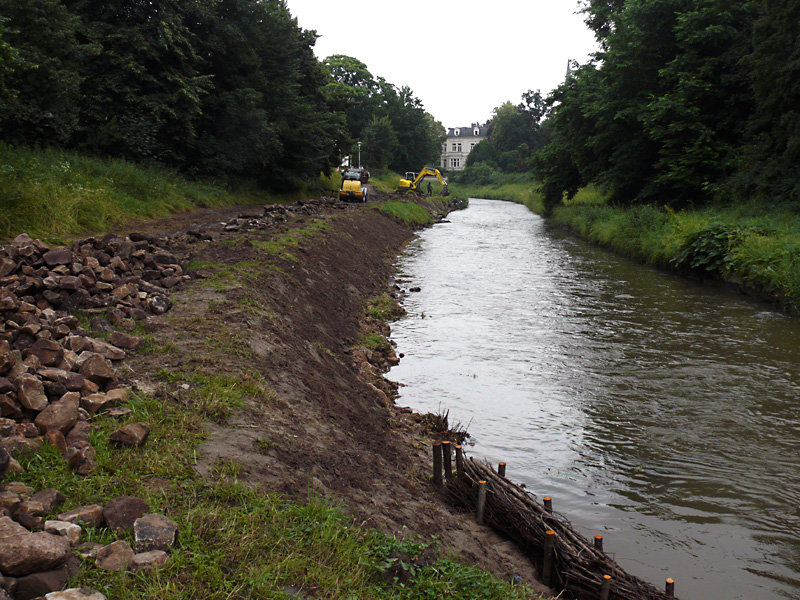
(514,134)
(222,88)
(391,123)
(686,102)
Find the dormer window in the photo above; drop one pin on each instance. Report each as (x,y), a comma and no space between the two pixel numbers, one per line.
(457,132)
(476,132)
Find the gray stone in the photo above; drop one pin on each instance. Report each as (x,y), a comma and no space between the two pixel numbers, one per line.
(70,531)
(76,594)
(58,256)
(154,532)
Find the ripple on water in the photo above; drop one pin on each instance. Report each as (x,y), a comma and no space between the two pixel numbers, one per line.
(656,410)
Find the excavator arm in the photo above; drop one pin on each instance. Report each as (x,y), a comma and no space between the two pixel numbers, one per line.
(425,172)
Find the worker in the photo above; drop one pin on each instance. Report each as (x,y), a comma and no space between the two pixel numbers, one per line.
(430,189)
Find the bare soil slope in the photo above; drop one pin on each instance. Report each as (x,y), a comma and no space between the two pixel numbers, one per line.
(285,310)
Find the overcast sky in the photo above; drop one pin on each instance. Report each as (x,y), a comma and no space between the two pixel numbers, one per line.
(461,58)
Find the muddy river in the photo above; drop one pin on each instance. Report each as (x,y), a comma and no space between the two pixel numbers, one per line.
(659,412)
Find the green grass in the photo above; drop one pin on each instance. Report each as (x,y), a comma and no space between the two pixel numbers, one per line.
(410,213)
(236,542)
(752,244)
(56,195)
(513,189)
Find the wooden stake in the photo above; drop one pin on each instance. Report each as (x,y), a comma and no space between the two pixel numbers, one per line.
(481,509)
(670,588)
(437,464)
(501,469)
(605,589)
(548,504)
(460,462)
(549,552)
(598,542)
(447,455)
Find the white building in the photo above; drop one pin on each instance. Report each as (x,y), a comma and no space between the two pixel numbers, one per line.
(460,142)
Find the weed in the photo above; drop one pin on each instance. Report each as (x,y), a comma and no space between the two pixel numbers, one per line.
(384,308)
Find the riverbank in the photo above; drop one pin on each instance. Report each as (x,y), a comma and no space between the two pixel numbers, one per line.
(751,247)
(274,444)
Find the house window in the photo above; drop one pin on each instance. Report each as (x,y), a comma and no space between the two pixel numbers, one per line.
(471,146)
(456,132)
(457,147)
(455,163)
(444,147)
(476,132)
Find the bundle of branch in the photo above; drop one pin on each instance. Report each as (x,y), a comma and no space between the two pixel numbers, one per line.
(579,567)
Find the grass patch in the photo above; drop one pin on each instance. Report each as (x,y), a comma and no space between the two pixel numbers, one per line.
(410,213)
(751,244)
(511,188)
(383,308)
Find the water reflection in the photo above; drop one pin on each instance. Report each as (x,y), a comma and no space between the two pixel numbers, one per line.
(655,410)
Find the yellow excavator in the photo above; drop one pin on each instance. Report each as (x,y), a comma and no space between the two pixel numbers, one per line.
(413,180)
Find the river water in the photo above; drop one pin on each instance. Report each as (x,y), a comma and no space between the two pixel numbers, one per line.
(659,412)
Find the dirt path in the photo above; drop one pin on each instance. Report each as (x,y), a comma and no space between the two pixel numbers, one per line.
(288,319)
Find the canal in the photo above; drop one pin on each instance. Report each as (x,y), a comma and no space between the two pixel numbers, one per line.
(659,412)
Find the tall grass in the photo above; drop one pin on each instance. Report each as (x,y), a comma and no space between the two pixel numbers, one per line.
(513,189)
(55,194)
(754,245)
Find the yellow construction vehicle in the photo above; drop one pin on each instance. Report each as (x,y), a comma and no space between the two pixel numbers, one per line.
(413,180)
(352,190)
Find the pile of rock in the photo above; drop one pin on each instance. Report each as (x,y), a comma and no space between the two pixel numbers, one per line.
(38,561)
(131,273)
(54,377)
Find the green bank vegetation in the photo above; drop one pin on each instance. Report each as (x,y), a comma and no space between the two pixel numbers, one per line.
(236,542)
(56,194)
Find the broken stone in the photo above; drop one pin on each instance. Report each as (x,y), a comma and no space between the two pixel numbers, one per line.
(133,434)
(59,416)
(96,369)
(114,557)
(89,516)
(23,552)
(70,531)
(121,513)
(154,532)
(37,585)
(76,594)
(124,340)
(30,392)
(50,499)
(59,256)
(148,561)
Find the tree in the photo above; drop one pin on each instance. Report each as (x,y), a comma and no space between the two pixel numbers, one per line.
(43,88)
(768,168)
(142,92)
(379,144)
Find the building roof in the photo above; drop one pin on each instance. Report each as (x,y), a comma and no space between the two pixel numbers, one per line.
(468,131)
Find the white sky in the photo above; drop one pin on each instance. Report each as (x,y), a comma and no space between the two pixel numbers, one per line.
(462,59)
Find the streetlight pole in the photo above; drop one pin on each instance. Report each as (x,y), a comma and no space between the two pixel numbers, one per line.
(359,155)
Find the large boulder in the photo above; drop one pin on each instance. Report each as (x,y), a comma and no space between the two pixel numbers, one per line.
(23,552)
